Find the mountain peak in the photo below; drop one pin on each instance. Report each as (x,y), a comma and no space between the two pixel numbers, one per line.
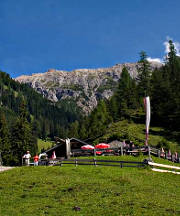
(85,86)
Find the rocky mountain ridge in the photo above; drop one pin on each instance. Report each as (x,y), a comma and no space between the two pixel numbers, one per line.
(85,86)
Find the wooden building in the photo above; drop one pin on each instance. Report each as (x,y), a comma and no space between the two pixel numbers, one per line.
(64,148)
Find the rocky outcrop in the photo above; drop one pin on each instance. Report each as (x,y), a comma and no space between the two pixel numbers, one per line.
(85,86)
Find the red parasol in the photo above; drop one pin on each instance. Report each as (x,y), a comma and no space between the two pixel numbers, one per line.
(87,147)
(102,146)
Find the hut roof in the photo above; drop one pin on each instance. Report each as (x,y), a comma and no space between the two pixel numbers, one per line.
(61,142)
(115,144)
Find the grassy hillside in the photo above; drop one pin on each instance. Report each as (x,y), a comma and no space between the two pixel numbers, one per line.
(136,132)
(86,190)
(44,144)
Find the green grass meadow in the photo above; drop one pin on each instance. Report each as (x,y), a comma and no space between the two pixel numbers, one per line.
(88,190)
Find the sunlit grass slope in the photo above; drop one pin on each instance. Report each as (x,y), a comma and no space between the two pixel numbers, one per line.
(124,130)
(44,144)
(88,190)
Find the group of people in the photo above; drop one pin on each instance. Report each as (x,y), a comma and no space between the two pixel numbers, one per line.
(27,158)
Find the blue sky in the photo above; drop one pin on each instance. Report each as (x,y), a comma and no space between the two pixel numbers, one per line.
(68,34)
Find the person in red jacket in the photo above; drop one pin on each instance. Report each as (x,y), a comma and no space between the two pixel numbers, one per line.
(36,159)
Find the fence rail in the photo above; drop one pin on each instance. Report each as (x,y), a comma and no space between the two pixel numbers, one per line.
(95,162)
(164,168)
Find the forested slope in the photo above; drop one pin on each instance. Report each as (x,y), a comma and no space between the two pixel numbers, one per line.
(26,115)
(163,87)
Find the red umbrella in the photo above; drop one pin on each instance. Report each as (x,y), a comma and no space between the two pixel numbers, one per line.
(102,146)
(98,152)
(87,147)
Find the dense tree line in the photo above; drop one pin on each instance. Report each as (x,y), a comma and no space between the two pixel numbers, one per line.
(165,93)
(26,115)
(163,87)
(17,139)
(49,119)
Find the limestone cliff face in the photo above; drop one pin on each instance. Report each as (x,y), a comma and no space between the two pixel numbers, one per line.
(85,86)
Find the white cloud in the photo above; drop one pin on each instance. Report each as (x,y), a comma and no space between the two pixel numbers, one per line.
(156,60)
(176,45)
(166,44)
(166,51)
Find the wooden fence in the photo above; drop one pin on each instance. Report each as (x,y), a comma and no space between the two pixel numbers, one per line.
(164,168)
(95,162)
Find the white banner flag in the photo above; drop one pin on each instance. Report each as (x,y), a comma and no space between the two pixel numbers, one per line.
(148,115)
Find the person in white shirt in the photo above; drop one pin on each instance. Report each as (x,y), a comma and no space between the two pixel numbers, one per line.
(27,158)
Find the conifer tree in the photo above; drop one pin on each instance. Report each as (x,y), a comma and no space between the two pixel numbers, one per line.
(22,136)
(171,59)
(74,130)
(113,106)
(99,120)
(165,92)
(44,130)
(4,140)
(125,99)
(160,87)
(173,66)
(83,132)
(144,75)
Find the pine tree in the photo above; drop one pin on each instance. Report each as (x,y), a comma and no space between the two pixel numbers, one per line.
(165,92)
(99,120)
(171,59)
(4,140)
(83,132)
(173,66)
(144,75)
(74,130)
(23,138)
(44,130)
(113,106)
(125,99)
(160,91)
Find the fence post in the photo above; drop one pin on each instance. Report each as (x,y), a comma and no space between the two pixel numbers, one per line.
(121,165)
(149,152)
(159,153)
(76,162)
(121,150)
(60,162)
(95,162)
(94,152)
(166,155)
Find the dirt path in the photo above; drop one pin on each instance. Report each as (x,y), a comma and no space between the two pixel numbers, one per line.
(2,168)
